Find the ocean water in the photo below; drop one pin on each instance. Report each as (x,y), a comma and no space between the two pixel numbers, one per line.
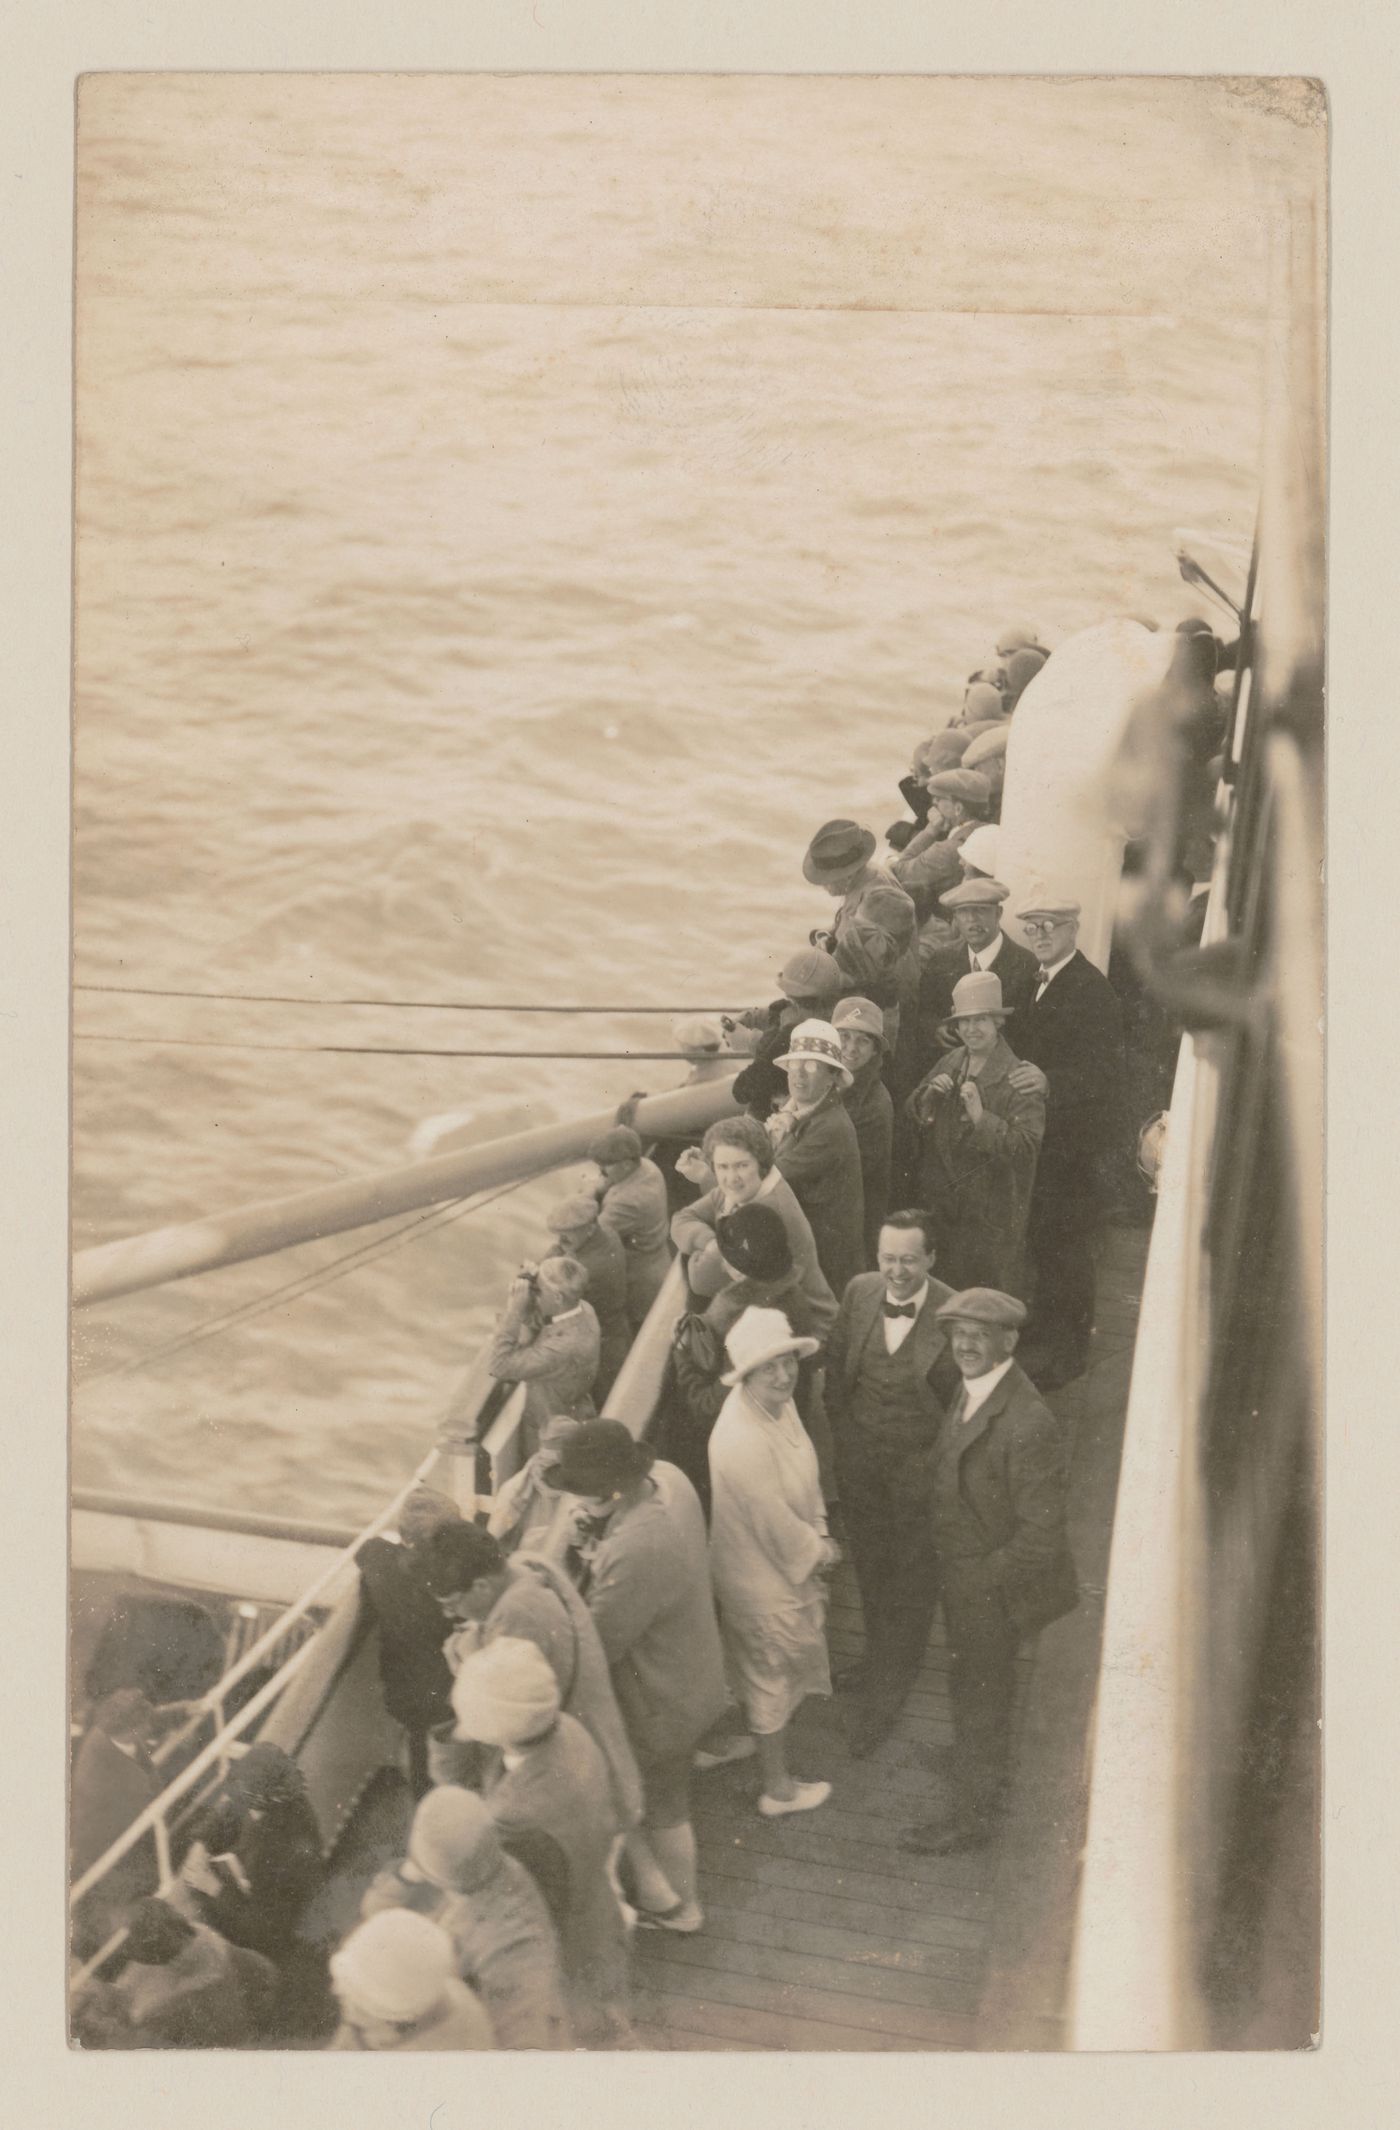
(512,513)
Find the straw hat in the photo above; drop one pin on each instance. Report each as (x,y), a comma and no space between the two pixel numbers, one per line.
(761,1335)
(818,1041)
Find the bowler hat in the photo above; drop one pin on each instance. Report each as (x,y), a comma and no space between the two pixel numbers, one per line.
(985,1305)
(754,1241)
(837,847)
(818,1041)
(974,894)
(761,1335)
(603,1458)
(619,1144)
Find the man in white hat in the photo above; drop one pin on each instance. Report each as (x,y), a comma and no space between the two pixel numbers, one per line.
(1072,1029)
(889,1380)
(815,1149)
(1000,1477)
(861,1027)
(873,932)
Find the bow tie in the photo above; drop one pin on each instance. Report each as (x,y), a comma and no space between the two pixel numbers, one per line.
(900,1309)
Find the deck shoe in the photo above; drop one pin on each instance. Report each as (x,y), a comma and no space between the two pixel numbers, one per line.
(683,1918)
(809,1796)
(945,1837)
(741,1747)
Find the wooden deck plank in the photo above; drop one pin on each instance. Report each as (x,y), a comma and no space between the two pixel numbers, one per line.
(951,1974)
(794,1968)
(781,1983)
(784,1878)
(908,1925)
(693,2022)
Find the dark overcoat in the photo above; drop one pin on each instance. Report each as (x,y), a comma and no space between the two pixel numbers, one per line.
(1074,1033)
(820,1160)
(1000,1489)
(977,1179)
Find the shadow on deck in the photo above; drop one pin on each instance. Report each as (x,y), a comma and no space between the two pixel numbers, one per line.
(820,1932)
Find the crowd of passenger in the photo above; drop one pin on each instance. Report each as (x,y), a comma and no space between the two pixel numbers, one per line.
(889,1261)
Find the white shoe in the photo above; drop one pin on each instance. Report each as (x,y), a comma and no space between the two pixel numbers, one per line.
(809,1796)
(741,1747)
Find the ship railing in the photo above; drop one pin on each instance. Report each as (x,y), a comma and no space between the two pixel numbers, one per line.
(467,1461)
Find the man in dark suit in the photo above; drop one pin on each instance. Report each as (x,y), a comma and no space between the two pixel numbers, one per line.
(974,907)
(889,1379)
(1000,1480)
(1072,1030)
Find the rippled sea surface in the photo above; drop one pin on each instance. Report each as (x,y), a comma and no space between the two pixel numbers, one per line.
(512,514)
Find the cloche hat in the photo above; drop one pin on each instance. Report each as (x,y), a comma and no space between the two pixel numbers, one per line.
(761,1335)
(811,973)
(505,1693)
(863,1015)
(754,1241)
(395,1966)
(978,852)
(818,1041)
(604,1457)
(580,1211)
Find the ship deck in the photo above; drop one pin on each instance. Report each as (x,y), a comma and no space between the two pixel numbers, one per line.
(820,1933)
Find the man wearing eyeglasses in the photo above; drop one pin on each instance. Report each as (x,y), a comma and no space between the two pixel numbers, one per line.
(1072,1029)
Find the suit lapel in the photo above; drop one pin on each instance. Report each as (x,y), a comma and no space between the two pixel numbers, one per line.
(864,1313)
(972,1430)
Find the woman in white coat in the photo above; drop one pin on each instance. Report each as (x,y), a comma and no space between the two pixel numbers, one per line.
(769,1549)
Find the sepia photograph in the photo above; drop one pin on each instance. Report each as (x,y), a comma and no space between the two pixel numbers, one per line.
(697,1080)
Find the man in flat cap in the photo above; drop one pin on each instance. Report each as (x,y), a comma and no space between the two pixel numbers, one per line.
(872,934)
(929,863)
(578,1233)
(1000,1477)
(632,1202)
(974,907)
(1072,1029)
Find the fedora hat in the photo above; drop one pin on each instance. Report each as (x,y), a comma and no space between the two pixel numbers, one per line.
(604,1457)
(761,1335)
(837,847)
(818,1041)
(979,992)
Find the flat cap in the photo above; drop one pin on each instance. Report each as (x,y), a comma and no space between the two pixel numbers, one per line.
(962,784)
(982,700)
(974,894)
(1049,906)
(986,1305)
(577,1212)
(985,747)
(619,1144)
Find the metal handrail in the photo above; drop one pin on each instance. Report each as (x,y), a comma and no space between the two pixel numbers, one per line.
(153,1260)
